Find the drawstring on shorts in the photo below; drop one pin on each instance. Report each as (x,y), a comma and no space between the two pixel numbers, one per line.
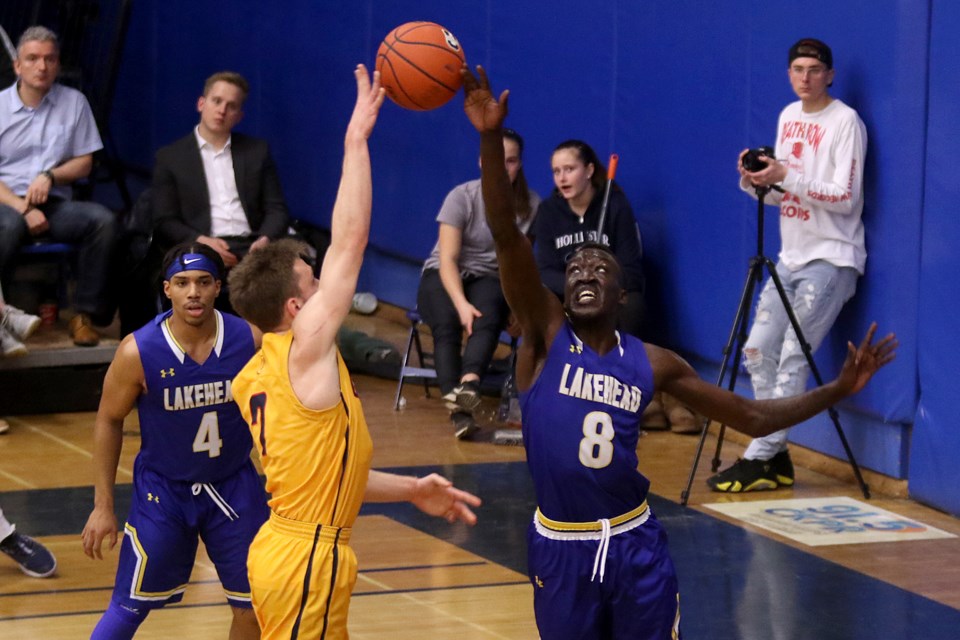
(216,497)
(602,548)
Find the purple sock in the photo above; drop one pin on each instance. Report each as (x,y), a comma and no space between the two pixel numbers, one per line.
(118,623)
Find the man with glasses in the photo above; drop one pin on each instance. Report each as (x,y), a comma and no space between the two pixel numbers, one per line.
(820,148)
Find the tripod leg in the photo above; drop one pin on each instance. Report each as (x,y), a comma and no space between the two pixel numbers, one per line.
(742,330)
(808,354)
(738,336)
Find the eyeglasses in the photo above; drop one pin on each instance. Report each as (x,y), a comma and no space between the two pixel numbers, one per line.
(814,72)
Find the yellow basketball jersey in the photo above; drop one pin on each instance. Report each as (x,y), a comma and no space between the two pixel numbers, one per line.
(316,462)
(301,567)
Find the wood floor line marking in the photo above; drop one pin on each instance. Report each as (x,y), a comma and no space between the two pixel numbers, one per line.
(440,611)
(21,481)
(404,593)
(64,443)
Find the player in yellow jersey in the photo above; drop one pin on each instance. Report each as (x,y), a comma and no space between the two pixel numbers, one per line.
(306,418)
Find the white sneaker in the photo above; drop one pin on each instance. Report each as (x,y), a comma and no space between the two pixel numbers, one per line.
(9,345)
(20,324)
(365,303)
(450,400)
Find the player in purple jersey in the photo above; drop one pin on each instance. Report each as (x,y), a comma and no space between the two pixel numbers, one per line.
(598,558)
(193,478)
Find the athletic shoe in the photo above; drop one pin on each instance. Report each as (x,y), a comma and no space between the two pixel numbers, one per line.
(34,559)
(450,400)
(20,324)
(468,395)
(782,468)
(365,303)
(9,345)
(464,426)
(4,426)
(745,475)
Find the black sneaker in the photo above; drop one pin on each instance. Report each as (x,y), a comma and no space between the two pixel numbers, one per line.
(782,468)
(745,475)
(34,559)
(468,395)
(464,426)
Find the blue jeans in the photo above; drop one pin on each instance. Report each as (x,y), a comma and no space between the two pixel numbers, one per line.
(438,312)
(772,355)
(91,226)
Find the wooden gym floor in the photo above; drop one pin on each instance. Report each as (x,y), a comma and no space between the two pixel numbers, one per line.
(421,578)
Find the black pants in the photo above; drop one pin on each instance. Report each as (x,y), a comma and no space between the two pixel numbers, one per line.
(438,312)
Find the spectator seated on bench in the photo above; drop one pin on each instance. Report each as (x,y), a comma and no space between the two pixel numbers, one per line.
(47,140)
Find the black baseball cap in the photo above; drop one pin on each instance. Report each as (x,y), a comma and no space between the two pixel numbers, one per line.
(811,48)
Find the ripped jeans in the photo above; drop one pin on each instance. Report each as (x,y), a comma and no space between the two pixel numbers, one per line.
(772,355)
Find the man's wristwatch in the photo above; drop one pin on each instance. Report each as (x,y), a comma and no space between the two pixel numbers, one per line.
(49,174)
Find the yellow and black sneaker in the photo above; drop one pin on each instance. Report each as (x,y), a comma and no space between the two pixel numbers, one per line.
(782,467)
(746,475)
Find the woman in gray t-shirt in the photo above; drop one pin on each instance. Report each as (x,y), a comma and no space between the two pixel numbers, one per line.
(460,289)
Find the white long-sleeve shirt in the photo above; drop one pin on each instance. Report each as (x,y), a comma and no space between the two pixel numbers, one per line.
(820,211)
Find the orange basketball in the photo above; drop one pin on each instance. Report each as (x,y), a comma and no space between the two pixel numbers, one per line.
(419,65)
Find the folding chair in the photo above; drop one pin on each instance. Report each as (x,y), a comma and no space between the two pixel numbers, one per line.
(424,371)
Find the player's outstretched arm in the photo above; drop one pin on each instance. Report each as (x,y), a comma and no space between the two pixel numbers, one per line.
(121,387)
(537,311)
(317,324)
(433,494)
(762,417)
(865,360)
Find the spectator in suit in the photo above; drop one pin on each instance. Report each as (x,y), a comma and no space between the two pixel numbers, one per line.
(47,140)
(215,186)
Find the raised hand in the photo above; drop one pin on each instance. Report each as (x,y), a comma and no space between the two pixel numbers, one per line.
(864,361)
(370,96)
(484,112)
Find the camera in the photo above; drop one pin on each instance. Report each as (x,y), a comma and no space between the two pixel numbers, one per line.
(751,159)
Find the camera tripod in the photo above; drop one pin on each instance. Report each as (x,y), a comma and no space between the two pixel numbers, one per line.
(737,340)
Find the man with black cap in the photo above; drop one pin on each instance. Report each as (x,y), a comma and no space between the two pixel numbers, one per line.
(820,147)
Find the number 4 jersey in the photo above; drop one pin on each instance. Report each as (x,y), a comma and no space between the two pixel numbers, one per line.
(581,424)
(191,429)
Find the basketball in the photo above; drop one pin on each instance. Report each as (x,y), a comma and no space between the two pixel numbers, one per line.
(419,65)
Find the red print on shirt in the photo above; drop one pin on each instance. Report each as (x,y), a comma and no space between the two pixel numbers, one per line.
(808,132)
(797,149)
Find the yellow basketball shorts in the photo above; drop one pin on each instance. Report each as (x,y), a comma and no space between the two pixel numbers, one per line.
(301,577)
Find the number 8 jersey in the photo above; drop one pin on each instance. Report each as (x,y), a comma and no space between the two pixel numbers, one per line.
(191,429)
(581,424)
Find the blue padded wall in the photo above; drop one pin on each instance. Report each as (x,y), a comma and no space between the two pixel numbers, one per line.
(934,472)
(677,88)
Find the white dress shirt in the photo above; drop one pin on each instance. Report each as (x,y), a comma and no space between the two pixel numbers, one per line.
(226,213)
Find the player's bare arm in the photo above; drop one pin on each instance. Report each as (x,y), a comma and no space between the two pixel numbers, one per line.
(122,385)
(316,325)
(761,417)
(433,494)
(537,311)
